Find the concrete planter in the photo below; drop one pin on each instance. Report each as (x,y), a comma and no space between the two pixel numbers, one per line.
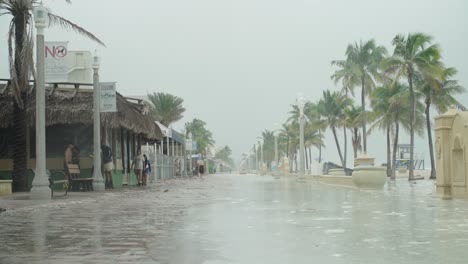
(368,177)
(336,172)
(5,187)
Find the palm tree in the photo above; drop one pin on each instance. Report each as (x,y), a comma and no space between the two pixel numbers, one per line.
(360,68)
(439,93)
(268,147)
(414,54)
(353,123)
(331,108)
(166,108)
(21,64)
(200,134)
(391,111)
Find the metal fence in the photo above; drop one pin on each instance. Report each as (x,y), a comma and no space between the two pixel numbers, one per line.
(166,167)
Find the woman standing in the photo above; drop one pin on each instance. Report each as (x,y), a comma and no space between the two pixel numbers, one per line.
(137,165)
(146,169)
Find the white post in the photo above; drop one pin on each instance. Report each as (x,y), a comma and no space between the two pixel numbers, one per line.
(301,104)
(98,182)
(40,185)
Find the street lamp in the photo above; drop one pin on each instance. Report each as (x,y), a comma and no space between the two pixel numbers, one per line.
(256,158)
(40,184)
(260,143)
(300,101)
(98,182)
(190,152)
(276,144)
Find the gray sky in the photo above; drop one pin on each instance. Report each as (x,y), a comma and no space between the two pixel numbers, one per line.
(239,63)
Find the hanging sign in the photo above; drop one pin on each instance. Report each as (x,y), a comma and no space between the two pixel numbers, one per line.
(188,144)
(56,69)
(108,97)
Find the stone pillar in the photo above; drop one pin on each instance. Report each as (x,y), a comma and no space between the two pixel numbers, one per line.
(443,134)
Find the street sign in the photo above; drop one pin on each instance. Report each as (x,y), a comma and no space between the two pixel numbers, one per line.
(56,69)
(108,97)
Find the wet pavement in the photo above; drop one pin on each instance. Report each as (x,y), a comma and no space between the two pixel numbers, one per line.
(239,219)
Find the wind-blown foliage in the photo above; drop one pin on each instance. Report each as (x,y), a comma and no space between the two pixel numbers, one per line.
(414,54)
(200,134)
(166,108)
(21,64)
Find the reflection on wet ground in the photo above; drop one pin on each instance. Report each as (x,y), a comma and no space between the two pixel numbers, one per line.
(241,219)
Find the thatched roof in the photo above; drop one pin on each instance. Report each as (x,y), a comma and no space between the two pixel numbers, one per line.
(70,106)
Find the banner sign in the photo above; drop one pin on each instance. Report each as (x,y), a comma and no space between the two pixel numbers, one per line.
(188,144)
(108,97)
(56,69)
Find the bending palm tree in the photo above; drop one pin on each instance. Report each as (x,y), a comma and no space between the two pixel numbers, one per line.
(330,107)
(360,68)
(166,108)
(21,63)
(413,55)
(439,93)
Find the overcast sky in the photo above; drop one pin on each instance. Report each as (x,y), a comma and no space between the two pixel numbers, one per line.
(238,64)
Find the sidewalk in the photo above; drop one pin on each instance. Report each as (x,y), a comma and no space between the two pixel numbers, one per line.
(23,201)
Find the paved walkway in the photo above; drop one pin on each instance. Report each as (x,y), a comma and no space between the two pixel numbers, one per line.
(240,219)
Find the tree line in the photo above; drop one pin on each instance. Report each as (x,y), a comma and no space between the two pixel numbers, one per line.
(401,88)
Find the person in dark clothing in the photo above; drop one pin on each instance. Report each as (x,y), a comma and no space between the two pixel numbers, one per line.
(108,165)
(146,169)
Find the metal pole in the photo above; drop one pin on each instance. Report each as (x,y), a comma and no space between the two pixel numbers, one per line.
(261,157)
(40,185)
(256,158)
(98,182)
(301,145)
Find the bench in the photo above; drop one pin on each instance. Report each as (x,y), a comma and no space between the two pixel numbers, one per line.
(65,181)
(77,183)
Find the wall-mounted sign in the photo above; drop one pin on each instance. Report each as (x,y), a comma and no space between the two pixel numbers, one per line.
(108,97)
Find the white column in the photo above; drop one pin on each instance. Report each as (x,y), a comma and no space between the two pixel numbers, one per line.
(98,182)
(301,146)
(40,185)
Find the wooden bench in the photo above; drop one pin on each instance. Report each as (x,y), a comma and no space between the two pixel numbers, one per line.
(77,183)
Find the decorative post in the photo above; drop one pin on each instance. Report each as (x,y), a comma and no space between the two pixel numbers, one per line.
(40,185)
(300,103)
(98,182)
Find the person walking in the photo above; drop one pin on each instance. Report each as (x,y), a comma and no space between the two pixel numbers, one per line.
(137,166)
(67,159)
(146,169)
(201,167)
(108,166)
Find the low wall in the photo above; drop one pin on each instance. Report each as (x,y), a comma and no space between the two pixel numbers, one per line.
(334,180)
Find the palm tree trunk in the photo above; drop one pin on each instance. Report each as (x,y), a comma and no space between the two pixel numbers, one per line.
(389,160)
(355,142)
(429,138)
(337,145)
(20,181)
(412,112)
(306,158)
(395,146)
(363,113)
(345,147)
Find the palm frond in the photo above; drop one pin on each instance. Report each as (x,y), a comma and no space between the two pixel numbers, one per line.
(67,24)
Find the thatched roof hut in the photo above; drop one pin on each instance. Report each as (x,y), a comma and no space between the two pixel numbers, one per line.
(75,106)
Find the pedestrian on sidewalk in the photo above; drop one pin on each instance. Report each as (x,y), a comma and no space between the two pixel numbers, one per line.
(146,169)
(108,165)
(201,167)
(137,166)
(67,158)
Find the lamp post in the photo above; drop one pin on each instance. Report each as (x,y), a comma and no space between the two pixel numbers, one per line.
(40,184)
(190,152)
(300,101)
(260,143)
(98,182)
(276,145)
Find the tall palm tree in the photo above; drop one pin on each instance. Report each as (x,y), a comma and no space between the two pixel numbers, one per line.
(390,103)
(440,94)
(414,54)
(200,134)
(361,67)
(166,108)
(21,64)
(331,107)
